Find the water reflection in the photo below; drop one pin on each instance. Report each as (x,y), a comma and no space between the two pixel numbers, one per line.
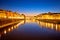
(49,25)
(30,21)
(10,28)
(41,23)
(31,30)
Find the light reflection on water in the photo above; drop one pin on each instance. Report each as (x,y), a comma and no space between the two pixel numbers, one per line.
(49,25)
(10,28)
(31,29)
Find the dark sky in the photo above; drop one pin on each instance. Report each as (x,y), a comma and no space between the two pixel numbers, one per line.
(31,6)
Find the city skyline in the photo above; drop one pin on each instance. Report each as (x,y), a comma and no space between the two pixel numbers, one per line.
(31,7)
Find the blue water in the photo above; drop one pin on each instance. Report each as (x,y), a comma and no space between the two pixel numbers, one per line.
(31,31)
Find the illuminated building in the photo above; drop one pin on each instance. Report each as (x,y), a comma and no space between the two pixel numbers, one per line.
(49,15)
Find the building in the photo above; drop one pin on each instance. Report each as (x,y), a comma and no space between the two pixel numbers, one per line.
(49,15)
(10,15)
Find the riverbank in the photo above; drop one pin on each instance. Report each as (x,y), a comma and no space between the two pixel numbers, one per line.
(7,22)
(49,20)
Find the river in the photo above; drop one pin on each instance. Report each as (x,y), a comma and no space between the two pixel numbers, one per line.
(31,30)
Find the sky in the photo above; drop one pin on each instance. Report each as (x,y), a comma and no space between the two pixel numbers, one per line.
(31,7)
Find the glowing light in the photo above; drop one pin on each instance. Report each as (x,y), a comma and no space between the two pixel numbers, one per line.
(52,26)
(5,32)
(4,16)
(9,17)
(56,26)
(12,27)
(9,29)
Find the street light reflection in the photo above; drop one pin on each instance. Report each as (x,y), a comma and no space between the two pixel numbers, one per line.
(5,32)
(10,28)
(49,25)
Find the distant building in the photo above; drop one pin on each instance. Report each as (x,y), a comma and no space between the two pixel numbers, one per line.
(10,14)
(49,15)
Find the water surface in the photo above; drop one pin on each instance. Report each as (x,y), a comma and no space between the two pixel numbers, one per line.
(30,30)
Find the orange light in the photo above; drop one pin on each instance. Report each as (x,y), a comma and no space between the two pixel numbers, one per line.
(5,32)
